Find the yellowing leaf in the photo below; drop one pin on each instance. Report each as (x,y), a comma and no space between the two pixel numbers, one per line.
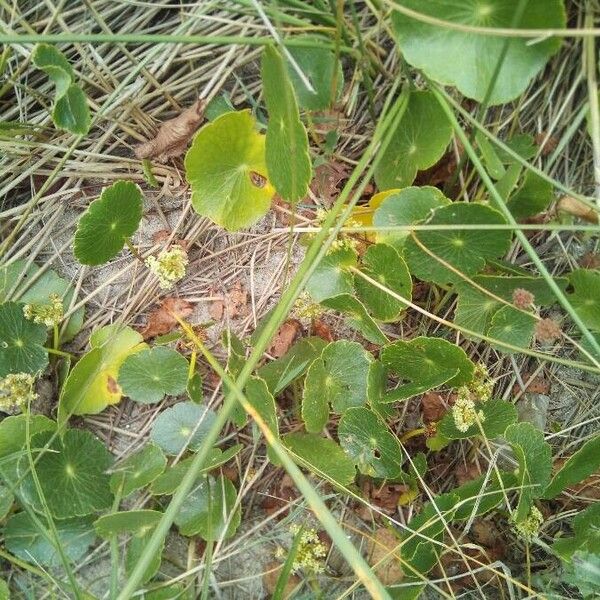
(92,384)
(363,213)
(226,169)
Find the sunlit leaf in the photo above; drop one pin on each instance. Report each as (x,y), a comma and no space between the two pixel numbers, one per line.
(367,441)
(332,276)
(586,296)
(357,316)
(138,470)
(21,342)
(406,207)
(92,383)
(534,456)
(287,156)
(469,60)
(147,376)
(466,250)
(72,474)
(210,510)
(182,426)
(137,522)
(383,264)
(419,141)
(25,540)
(227,172)
(322,456)
(107,223)
(363,213)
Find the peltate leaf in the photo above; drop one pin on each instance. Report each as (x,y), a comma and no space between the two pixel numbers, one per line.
(332,276)
(138,470)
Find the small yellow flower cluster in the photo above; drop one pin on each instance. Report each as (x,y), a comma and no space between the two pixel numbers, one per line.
(344,240)
(482,385)
(169,266)
(530,526)
(464,411)
(16,390)
(50,314)
(311,551)
(304,307)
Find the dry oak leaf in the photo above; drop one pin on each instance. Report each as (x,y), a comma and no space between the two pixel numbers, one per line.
(287,334)
(174,135)
(271,575)
(383,546)
(161,320)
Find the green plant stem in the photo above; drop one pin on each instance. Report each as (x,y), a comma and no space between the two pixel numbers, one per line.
(501,205)
(316,250)
(133,250)
(60,353)
(286,571)
(591,66)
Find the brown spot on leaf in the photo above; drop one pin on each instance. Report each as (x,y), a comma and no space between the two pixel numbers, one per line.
(112,386)
(173,135)
(257,179)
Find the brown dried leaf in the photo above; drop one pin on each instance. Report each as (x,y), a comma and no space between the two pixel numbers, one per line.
(385,496)
(326,182)
(466,472)
(161,319)
(162,235)
(590,260)
(233,304)
(271,575)
(537,385)
(322,330)
(288,333)
(548,145)
(283,491)
(588,488)
(578,209)
(174,135)
(382,547)
(433,407)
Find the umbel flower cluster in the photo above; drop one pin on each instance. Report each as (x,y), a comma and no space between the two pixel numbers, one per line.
(169,266)
(311,551)
(530,526)
(478,391)
(16,391)
(50,314)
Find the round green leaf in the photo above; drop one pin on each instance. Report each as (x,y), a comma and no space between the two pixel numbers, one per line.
(368,442)
(422,356)
(531,198)
(72,474)
(92,383)
(226,169)
(107,223)
(210,510)
(21,342)
(182,426)
(498,415)
(332,276)
(137,522)
(320,66)
(287,155)
(22,282)
(406,207)
(383,264)
(25,540)
(464,249)
(71,111)
(149,375)
(586,296)
(513,327)
(419,141)
(138,470)
(322,456)
(469,60)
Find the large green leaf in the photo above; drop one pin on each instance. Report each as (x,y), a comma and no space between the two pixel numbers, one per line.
(322,456)
(586,296)
(338,378)
(70,111)
(21,342)
(138,470)
(147,376)
(464,249)
(419,141)
(71,473)
(21,280)
(108,221)
(210,510)
(182,426)
(227,172)
(92,384)
(534,456)
(288,159)
(321,67)
(469,60)
(368,442)
(24,539)
(332,275)
(383,264)
(497,416)
(406,207)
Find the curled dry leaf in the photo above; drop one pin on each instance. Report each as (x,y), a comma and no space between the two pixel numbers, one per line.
(282,493)
(271,575)
(322,330)
(383,546)
(466,472)
(161,319)
(384,496)
(578,209)
(288,333)
(174,135)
